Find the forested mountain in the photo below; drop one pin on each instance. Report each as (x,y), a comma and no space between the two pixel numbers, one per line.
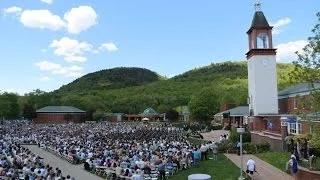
(112,79)
(131,90)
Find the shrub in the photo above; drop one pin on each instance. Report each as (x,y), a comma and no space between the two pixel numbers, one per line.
(215,127)
(315,142)
(235,137)
(263,147)
(226,146)
(302,137)
(246,137)
(249,148)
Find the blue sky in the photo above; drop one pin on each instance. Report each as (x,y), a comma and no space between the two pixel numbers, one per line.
(48,43)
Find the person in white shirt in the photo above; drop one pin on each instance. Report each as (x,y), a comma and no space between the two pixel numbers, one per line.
(204,153)
(251,166)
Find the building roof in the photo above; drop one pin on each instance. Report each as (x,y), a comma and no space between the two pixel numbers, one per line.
(259,20)
(237,111)
(300,88)
(59,109)
(149,111)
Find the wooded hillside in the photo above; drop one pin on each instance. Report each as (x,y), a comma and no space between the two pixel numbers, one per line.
(131,90)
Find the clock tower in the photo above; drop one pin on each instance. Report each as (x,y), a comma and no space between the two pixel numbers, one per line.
(262,71)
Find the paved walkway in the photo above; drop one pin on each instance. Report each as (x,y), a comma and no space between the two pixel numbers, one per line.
(265,170)
(214,135)
(76,171)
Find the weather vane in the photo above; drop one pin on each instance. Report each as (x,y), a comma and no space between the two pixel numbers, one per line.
(257,6)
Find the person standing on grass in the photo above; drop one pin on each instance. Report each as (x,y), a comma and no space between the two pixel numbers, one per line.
(215,151)
(203,150)
(196,156)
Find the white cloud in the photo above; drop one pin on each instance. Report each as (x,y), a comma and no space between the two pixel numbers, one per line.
(72,50)
(45,79)
(80,19)
(42,19)
(54,68)
(72,59)
(286,51)
(47,1)
(12,10)
(111,47)
(48,66)
(75,20)
(279,24)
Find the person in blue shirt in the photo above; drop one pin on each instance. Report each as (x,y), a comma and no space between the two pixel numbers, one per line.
(162,170)
(294,166)
(196,156)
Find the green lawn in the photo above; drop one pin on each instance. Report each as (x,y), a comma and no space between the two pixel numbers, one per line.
(279,159)
(276,158)
(220,169)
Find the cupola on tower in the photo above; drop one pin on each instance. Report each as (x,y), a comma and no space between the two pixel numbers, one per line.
(262,71)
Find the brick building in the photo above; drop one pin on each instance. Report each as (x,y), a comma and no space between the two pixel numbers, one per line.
(60,114)
(269,126)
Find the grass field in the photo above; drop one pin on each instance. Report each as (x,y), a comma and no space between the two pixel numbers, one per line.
(279,159)
(220,169)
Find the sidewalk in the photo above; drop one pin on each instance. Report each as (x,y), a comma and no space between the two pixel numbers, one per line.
(76,171)
(265,170)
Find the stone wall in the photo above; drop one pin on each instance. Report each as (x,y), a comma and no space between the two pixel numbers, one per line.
(275,142)
(305,174)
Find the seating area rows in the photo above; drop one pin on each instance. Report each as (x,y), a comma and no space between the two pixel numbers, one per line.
(118,150)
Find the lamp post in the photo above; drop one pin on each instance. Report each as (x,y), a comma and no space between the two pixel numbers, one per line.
(241,131)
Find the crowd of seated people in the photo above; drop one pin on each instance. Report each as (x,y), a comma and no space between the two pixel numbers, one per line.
(18,162)
(135,151)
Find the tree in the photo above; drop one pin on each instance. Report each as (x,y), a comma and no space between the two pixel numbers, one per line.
(29,111)
(98,115)
(204,104)
(307,66)
(9,106)
(307,69)
(172,114)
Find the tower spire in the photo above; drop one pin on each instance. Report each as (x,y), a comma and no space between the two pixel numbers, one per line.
(257,5)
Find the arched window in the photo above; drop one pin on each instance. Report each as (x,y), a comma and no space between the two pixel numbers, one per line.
(262,41)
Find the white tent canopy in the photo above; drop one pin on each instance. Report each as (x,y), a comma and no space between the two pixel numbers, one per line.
(145,119)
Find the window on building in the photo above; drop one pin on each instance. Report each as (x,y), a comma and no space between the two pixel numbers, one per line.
(300,127)
(295,103)
(295,128)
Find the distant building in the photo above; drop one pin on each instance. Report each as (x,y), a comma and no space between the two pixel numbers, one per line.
(60,114)
(114,117)
(185,114)
(237,116)
(149,113)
